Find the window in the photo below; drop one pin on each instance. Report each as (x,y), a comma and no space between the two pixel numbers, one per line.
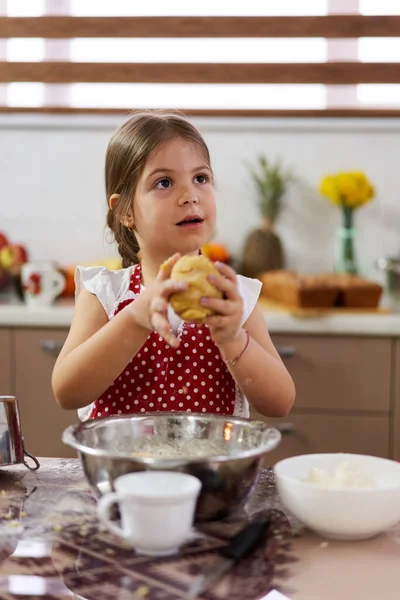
(205,8)
(213,57)
(379,50)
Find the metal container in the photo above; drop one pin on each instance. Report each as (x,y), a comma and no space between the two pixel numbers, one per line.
(12,450)
(228,479)
(391,266)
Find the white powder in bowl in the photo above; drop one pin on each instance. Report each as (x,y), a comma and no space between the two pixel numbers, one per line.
(155,447)
(348,475)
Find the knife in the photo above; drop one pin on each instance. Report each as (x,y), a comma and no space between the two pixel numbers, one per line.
(238,548)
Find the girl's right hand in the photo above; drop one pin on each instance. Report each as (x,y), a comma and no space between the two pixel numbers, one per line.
(150,309)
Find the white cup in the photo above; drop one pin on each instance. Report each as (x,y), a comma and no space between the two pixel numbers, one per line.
(41,283)
(157,510)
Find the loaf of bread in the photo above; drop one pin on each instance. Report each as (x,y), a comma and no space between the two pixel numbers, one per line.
(357,292)
(320,291)
(303,291)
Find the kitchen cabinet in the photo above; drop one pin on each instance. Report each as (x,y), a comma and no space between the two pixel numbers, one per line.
(340,373)
(42,420)
(344,389)
(324,432)
(395,422)
(348,392)
(6,383)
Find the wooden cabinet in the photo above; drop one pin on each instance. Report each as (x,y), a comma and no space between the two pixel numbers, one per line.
(347,392)
(344,388)
(339,372)
(42,420)
(6,383)
(395,422)
(311,433)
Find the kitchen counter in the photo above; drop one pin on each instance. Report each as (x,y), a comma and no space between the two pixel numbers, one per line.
(16,314)
(53,547)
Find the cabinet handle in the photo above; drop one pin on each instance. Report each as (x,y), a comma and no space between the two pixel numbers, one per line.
(51,347)
(286,351)
(284,428)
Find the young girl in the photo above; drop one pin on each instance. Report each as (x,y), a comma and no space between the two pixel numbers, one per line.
(126,351)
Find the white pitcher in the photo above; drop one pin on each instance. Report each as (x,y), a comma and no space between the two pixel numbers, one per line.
(41,283)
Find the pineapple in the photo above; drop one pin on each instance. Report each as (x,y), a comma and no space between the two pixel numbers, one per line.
(262,249)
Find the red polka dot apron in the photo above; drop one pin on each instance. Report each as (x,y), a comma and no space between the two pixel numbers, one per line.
(191,378)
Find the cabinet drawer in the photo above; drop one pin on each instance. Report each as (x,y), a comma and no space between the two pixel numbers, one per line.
(346,373)
(42,420)
(313,433)
(5,362)
(396,412)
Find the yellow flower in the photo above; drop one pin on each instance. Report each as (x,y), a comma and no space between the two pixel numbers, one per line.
(329,189)
(351,189)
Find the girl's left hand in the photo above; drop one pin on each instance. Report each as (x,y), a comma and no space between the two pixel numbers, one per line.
(225,325)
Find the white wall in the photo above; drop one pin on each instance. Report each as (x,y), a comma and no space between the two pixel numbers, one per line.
(52,200)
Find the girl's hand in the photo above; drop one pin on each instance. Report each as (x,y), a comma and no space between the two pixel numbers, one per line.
(225,326)
(150,309)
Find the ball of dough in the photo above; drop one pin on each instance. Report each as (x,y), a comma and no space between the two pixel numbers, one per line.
(195,270)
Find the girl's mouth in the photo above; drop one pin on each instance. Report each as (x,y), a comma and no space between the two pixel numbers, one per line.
(191,222)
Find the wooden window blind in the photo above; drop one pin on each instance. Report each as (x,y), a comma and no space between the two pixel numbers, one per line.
(201,64)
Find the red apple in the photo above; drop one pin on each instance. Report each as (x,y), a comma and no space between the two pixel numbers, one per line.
(21,254)
(3,240)
(12,257)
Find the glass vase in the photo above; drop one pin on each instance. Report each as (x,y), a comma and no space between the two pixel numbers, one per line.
(346,260)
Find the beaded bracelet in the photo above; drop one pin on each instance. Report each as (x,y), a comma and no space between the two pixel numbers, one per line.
(232,362)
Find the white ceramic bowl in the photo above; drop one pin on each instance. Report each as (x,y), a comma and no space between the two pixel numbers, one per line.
(341,513)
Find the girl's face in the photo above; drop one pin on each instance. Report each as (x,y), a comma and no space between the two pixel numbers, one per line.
(174,204)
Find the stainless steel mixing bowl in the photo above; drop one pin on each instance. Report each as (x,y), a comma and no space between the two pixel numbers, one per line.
(105,448)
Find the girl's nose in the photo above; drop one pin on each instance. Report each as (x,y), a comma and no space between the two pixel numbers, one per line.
(188,198)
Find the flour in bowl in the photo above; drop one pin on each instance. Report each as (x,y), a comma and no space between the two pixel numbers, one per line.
(155,447)
(348,475)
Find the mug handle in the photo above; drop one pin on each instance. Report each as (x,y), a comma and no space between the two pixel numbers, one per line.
(103,510)
(58,284)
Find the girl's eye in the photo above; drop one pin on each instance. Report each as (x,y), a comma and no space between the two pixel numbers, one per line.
(202,178)
(163,183)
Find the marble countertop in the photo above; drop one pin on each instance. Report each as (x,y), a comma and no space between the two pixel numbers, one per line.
(17,314)
(14,313)
(53,547)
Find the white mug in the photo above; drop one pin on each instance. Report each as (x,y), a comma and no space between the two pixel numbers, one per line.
(157,510)
(41,283)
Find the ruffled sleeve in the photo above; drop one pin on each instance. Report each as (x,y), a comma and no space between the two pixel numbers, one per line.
(110,287)
(250,290)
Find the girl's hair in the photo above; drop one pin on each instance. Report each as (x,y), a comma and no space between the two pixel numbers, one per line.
(127,153)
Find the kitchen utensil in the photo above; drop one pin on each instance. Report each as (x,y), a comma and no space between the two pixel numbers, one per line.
(105,448)
(238,548)
(12,450)
(391,266)
(157,510)
(344,513)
